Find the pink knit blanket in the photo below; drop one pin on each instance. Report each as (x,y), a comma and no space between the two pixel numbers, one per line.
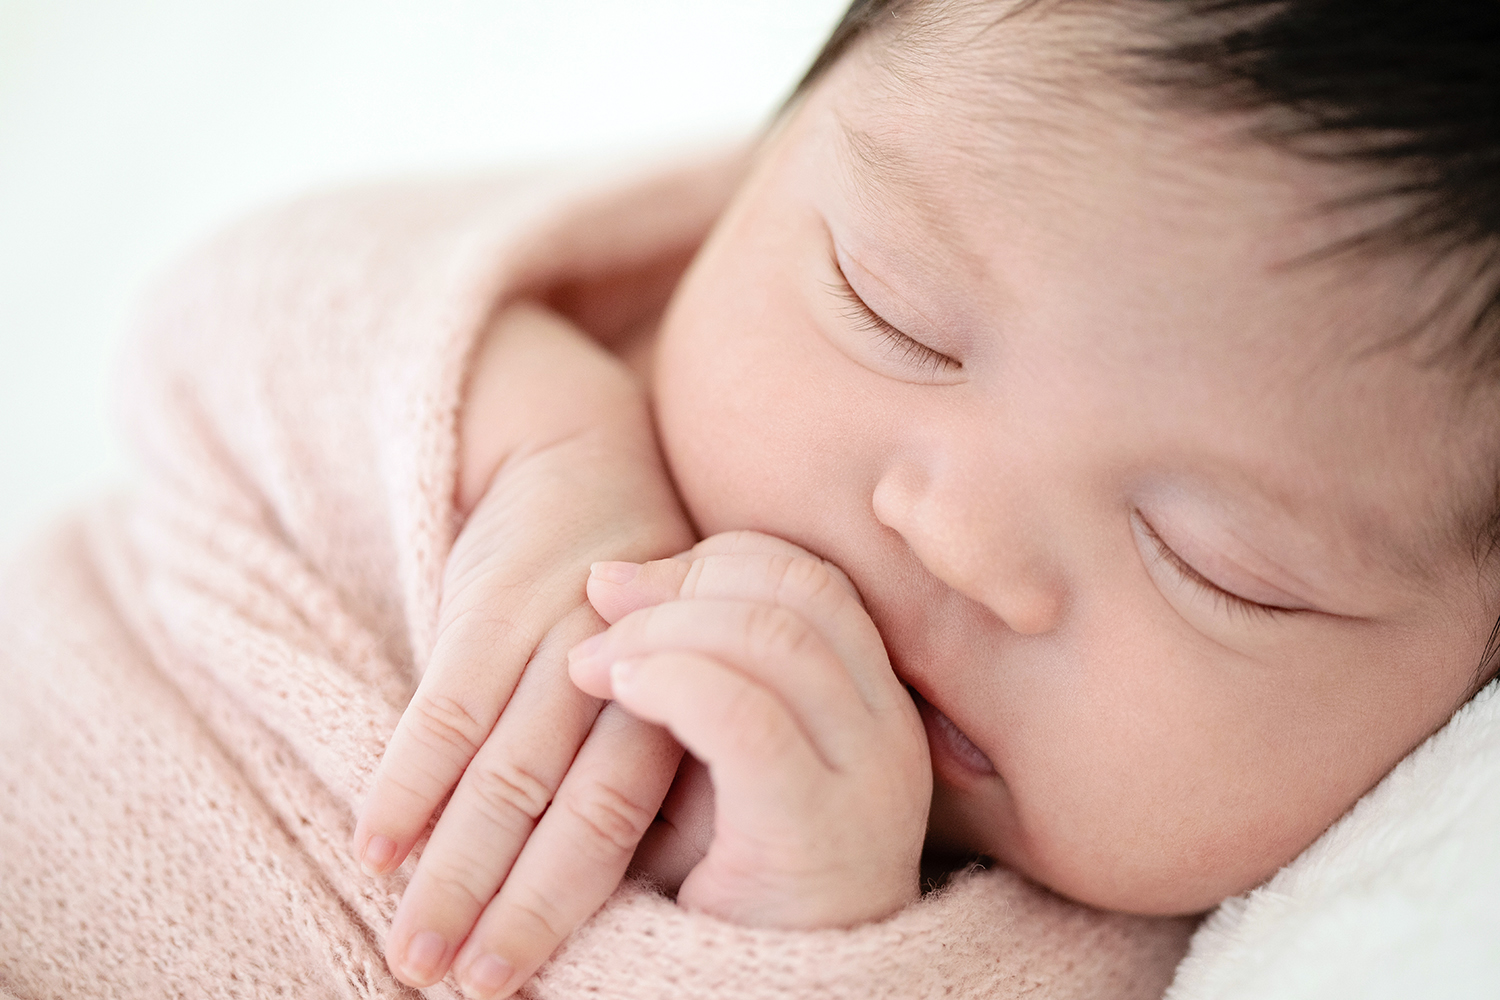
(198,674)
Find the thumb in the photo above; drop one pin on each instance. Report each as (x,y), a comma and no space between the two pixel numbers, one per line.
(615,589)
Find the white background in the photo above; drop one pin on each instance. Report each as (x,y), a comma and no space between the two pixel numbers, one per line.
(129,128)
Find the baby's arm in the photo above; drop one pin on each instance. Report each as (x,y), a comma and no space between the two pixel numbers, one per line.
(559,469)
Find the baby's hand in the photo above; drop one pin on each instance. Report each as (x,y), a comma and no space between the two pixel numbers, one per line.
(561,469)
(761,660)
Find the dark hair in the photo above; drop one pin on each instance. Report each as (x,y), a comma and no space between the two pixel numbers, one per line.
(855,22)
(1405,93)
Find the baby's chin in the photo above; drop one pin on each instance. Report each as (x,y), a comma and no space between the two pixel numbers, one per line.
(974,818)
(964,828)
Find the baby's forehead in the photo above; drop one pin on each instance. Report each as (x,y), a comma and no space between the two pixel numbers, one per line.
(1043,65)
(938,150)
(906,218)
(964,194)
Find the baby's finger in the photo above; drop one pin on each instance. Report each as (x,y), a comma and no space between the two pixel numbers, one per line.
(623,587)
(476,662)
(493,811)
(740,543)
(764,768)
(797,842)
(683,830)
(578,855)
(810,588)
(776,647)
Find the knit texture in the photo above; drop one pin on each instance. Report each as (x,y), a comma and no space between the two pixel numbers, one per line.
(198,675)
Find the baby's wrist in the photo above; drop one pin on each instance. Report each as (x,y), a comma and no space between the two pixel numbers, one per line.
(536,378)
(851,903)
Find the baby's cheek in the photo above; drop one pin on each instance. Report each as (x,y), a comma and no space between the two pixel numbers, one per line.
(1152,824)
(698,439)
(713,446)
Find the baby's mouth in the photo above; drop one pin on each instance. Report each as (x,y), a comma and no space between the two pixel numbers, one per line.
(945,738)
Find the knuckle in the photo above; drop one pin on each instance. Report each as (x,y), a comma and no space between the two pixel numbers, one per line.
(416,784)
(612,822)
(802,578)
(810,580)
(453,882)
(755,725)
(692,581)
(761,739)
(510,795)
(447,724)
(536,909)
(775,632)
(735,542)
(470,626)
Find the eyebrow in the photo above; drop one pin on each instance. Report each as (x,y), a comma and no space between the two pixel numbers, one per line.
(872,167)
(878,172)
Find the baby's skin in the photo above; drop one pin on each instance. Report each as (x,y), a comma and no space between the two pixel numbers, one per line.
(559,468)
(754,654)
(1035,403)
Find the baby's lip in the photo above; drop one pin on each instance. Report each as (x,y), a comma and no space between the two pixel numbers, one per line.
(944,737)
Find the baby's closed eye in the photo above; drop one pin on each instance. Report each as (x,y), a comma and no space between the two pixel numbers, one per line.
(893,346)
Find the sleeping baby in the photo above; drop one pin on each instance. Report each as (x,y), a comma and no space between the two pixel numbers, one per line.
(1085,411)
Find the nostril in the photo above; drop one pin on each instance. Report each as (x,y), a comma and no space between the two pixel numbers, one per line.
(886,504)
(896,496)
(1035,611)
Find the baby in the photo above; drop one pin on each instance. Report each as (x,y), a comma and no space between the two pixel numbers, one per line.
(1080,404)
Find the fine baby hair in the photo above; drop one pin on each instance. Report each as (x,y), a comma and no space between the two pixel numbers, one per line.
(1403,94)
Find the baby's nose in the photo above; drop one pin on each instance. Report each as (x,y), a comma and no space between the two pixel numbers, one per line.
(973,544)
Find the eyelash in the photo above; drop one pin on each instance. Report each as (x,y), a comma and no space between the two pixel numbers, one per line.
(895,343)
(1233,604)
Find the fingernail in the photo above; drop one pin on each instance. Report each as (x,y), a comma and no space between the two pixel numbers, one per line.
(424,956)
(587,649)
(615,572)
(378,853)
(486,976)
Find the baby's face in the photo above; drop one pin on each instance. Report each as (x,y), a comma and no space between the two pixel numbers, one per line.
(1137,507)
